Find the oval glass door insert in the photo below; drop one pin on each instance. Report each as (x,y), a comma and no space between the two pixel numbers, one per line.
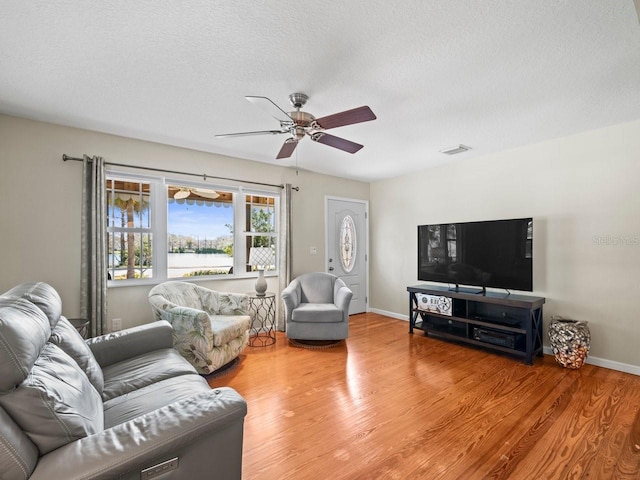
(348,243)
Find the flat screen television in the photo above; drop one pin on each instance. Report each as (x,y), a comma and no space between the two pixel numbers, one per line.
(496,253)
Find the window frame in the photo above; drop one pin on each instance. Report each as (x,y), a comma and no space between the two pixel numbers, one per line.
(251,233)
(158,218)
(109,229)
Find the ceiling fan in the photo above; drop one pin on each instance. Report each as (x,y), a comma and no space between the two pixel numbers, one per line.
(299,123)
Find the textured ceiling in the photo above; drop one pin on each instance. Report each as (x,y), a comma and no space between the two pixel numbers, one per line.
(493,75)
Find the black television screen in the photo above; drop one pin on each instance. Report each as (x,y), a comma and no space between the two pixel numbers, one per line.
(495,253)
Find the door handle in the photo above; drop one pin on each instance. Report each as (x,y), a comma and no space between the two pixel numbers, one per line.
(331,269)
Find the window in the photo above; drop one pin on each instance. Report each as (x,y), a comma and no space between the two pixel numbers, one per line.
(452,243)
(348,243)
(165,229)
(443,251)
(129,232)
(199,232)
(260,219)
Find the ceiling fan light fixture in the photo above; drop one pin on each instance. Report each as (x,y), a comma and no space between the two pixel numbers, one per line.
(298,133)
(454,150)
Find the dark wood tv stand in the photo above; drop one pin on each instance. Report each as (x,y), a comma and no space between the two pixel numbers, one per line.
(502,322)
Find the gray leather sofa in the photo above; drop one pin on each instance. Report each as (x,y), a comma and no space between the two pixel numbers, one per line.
(124,405)
(317,307)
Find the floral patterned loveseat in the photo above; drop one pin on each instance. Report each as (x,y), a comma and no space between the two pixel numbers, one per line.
(210,328)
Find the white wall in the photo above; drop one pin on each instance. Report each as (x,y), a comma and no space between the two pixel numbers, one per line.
(578,189)
(40,215)
(575,187)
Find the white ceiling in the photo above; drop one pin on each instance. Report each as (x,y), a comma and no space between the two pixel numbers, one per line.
(493,75)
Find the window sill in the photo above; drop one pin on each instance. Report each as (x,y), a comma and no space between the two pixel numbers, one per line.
(152,281)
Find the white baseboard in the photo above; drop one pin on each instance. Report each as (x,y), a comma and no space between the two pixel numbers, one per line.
(598,362)
(390,314)
(605,363)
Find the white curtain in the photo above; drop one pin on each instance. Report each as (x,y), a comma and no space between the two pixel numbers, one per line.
(284,255)
(93,251)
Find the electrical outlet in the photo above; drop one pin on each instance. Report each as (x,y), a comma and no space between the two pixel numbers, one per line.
(116,324)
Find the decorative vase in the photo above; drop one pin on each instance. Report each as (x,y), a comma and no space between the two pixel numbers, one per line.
(261,283)
(570,341)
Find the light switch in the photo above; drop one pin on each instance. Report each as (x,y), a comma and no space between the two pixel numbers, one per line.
(313,250)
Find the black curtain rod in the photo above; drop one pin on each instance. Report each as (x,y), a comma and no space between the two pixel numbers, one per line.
(204,176)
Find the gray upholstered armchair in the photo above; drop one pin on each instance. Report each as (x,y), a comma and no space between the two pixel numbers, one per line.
(317,307)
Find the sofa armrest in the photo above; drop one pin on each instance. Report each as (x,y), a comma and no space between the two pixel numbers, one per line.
(117,346)
(291,298)
(204,432)
(342,299)
(176,314)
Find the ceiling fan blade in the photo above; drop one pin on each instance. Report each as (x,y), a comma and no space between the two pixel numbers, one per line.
(336,142)
(206,193)
(246,134)
(348,117)
(287,148)
(181,194)
(271,108)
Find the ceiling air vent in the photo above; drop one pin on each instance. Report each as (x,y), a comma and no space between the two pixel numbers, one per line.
(456,149)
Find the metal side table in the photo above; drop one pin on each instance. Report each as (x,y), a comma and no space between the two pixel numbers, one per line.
(262,309)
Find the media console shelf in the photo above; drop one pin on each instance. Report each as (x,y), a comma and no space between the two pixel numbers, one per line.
(499,321)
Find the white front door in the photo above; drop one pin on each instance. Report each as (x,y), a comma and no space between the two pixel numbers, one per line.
(347,246)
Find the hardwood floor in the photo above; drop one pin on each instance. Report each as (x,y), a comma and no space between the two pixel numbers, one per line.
(387,404)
